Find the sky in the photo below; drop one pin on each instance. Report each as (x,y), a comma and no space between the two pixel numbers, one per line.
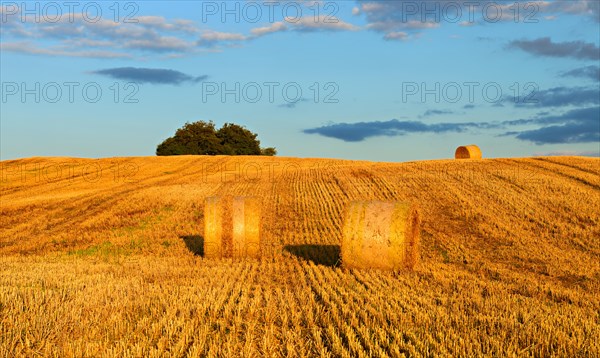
(367,80)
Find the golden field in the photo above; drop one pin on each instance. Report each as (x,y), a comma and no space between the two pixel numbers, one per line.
(104,258)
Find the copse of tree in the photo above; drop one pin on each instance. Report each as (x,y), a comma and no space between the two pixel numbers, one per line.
(193,138)
(237,140)
(202,138)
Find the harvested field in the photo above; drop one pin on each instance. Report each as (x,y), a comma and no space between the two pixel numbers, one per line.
(106,259)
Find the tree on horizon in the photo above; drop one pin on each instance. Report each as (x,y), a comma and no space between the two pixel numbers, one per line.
(202,138)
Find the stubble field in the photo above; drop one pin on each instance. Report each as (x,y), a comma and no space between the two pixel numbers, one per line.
(104,258)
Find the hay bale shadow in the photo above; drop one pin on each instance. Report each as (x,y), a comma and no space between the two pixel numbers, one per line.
(326,255)
(194,243)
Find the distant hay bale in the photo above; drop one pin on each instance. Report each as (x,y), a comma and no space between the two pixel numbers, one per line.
(468,152)
(232,227)
(381,235)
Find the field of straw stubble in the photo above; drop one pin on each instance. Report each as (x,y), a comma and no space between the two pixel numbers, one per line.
(104,258)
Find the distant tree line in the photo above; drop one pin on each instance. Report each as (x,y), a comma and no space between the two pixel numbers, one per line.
(202,138)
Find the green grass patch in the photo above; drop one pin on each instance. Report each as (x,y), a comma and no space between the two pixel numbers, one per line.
(108,249)
(103,249)
(157,216)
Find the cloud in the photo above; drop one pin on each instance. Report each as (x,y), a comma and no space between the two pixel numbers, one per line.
(575,126)
(222,36)
(212,39)
(303,24)
(469,106)
(73,35)
(149,75)
(357,132)
(396,36)
(160,44)
(589,8)
(31,49)
(545,47)
(274,27)
(576,115)
(417,15)
(320,23)
(405,19)
(559,97)
(159,22)
(390,26)
(436,112)
(592,72)
(567,133)
(292,105)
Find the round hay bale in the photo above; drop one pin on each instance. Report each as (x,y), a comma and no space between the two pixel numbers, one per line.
(381,235)
(468,152)
(232,227)
(213,227)
(246,227)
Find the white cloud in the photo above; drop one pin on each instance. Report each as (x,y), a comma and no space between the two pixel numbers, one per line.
(275,27)
(322,22)
(396,36)
(29,48)
(372,6)
(161,44)
(74,35)
(222,36)
(305,24)
(159,22)
(391,26)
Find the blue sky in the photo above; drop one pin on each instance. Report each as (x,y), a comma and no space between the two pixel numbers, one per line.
(380,80)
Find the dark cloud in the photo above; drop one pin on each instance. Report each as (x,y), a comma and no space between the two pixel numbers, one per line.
(291,105)
(150,75)
(558,97)
(357,132)
(545,47)
(592,72)
(567,133)
(580,114)
(469,106)
(575,126)
(436,112)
